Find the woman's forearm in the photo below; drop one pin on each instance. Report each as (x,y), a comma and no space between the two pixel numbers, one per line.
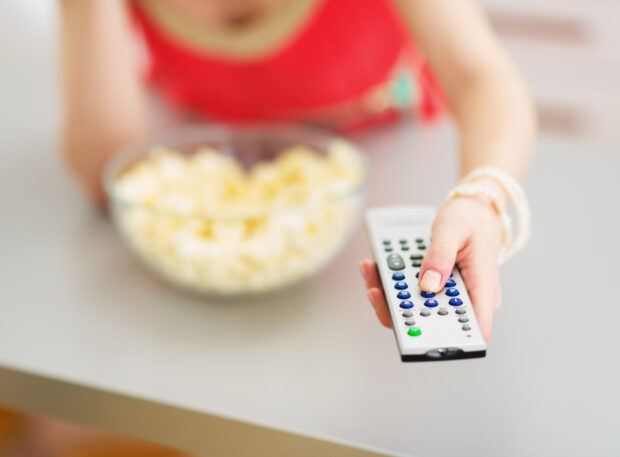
(103,95)
(496,120)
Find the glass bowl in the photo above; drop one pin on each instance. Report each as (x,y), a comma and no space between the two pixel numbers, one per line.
(236,210)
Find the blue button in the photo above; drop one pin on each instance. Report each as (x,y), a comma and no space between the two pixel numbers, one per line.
(452,292)
(406,304)
(398,276)
(417,275)
(456,302)
(427,294)
(400,285)
(451,274)
(431,303)
(403,295)
(450,283)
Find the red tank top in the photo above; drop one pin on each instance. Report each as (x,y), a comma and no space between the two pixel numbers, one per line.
(344,49)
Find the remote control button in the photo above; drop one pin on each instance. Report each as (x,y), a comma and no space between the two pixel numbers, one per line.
(425,312)
(466,327)
(402,241)
(421,247)
(463,319)
(395,262)
(388,249)
(431,303)
(407,314)
(410,322)
(452,292)
(398,276)
(417,275)
(416,256)
(414,331)
(451,274)
(419,240)
(386,242)
(404,248)
(427,294)
(403,295)
(442,311)
(416,263)
(460,311)
(406,304)
(450,283)
(400,285)
(456,302)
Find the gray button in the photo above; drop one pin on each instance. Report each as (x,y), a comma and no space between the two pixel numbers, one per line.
(404,248)
(460,311)
(407,314)
(416,263)
(416,256)
(425,312)
(419,240)
(395,262)
(402,241)
(410,322)
(466,327)
(442,311)
(463,319)
(386,242)
(388,249)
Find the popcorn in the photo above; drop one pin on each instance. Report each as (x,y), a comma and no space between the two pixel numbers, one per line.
(205,223)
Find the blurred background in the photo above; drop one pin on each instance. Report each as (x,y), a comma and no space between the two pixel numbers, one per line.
(568,52)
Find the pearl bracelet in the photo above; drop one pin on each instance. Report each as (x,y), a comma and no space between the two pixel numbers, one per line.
(469,188)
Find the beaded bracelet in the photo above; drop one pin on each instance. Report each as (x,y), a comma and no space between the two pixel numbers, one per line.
(469,188)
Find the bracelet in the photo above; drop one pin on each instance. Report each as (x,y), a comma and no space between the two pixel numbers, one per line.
(517,196)
(475,190)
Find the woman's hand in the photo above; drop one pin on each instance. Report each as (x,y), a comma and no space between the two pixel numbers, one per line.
(466,231)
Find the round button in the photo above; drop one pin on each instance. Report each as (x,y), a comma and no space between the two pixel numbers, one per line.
(407,314)
(460,311)
(403,295)
(442,311)
(450,283)
(463,319)
(406,304)
(400,285)
(431,303)
(456,302)
(425,312)
(414,331)
(427,294)
(466,327)
(398,276)
(452,292)
(410,322)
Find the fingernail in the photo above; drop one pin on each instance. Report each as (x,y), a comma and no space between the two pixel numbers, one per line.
(371,299)
(362,270)
(431,281)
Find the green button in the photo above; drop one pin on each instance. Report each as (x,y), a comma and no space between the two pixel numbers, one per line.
(414,331)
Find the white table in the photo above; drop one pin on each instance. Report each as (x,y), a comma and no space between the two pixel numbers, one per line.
(87,335)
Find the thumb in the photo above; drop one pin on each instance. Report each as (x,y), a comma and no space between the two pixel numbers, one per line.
(441,256)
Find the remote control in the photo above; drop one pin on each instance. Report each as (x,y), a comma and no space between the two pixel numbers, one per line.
(427,326)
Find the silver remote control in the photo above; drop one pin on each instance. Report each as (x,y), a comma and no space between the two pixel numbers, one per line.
(427,326)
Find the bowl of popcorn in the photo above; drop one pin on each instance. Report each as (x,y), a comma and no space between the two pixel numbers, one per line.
(236,210)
